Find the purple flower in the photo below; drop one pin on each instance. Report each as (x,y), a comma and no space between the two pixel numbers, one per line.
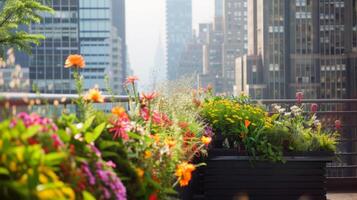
(96,150)
(87,171)
(111,164)
(208,131)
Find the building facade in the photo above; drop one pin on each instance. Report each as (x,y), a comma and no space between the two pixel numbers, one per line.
(47,60)
(86,27)
(234,38)
(300,46)
(178,32)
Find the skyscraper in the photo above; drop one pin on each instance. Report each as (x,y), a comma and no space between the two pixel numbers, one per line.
(234,37)
(47,60)
(96,40)
(82,27)
(179,31)
(300,46)
(119,13)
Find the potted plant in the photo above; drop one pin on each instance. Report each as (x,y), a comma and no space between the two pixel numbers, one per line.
(255,154)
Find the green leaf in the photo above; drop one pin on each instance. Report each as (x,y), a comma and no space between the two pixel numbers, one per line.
(53,159)
(88,123)
(4,171)
(31,131)
(87,196)
(92,136)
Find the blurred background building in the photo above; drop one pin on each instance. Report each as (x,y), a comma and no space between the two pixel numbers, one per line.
(300,46)
(178,33)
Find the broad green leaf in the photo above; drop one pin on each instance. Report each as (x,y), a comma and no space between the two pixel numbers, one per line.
(4,171)
(31,131)
(87,196)
(92,136)
(52,159)
(88,123)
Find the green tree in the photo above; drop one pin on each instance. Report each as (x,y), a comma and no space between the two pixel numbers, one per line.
(15,13)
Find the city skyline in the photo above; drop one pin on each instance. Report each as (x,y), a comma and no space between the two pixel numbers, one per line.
(151,15)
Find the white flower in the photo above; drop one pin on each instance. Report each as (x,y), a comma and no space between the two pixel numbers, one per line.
(296,110)
(78,137)
(79,126)
(288,114)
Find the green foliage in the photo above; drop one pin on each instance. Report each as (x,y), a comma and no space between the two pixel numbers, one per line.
(15,13)
(266,136)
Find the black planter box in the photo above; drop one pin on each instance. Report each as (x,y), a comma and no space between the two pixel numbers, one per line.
(229,175)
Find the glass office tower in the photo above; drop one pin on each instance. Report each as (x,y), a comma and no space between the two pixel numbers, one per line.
(46,66)
(179,31)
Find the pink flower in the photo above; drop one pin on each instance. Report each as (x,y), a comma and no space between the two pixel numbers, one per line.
(149,96)
(338,124)
(299,96)
(314,107)
(144,113)
(120,128)
(131,80)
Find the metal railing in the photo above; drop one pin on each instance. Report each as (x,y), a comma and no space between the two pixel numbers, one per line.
(342,173)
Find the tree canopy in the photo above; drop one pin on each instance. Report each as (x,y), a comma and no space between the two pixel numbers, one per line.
(15,13)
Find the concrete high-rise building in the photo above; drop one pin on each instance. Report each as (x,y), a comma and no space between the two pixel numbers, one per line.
(179,31)
(234,38)
(119,22)
(300,46)
(191,59)
(47,60)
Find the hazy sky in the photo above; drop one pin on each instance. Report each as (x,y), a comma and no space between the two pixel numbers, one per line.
(145,24)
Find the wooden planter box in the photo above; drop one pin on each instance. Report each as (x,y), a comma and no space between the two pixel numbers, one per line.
(228,175)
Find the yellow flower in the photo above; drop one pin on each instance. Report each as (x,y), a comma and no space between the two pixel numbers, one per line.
(76,61)
(147,154)
(170,142)
(46,194)
(119,111)
(184,173)
(206,140)
(43,178)
(95,95)
(69,193)
(140,172)
(13,166)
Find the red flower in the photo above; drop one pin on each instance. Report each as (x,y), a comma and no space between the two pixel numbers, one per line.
(299,97)
(153,197)
(338,124)
(32,141)
(314,107)
(131,80)
(120,128)
(183,125)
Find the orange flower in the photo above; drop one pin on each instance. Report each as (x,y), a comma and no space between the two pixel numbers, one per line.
(247,123)
(120,112)
(184,173)
(140,172)
(131,79)
(76,61)
(149,96)
(206,140)
(95,95)
(171,143)
(147,154)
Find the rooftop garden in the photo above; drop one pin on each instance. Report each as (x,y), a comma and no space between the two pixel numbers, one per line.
(148,150)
